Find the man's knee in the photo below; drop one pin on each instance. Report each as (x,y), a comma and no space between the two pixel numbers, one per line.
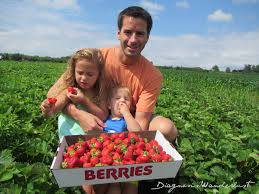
(165,126)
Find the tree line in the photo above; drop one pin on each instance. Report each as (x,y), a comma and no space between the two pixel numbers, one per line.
(247,69)
(22,57)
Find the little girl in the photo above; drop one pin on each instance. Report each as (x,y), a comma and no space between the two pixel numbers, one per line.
(120,120)
(85,80)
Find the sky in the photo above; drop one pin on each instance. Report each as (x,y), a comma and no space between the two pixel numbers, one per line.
(188,33)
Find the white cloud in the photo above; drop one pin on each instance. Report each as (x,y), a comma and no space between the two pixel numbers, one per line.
(182,4)
(245,1)
(45,32)
(57,4)
(153,8)
(232,50)
(220,16)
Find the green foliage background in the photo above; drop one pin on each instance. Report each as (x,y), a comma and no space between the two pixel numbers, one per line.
(217,115)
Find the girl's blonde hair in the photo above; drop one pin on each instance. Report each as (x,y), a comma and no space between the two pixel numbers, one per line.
(114,89)
(94,56)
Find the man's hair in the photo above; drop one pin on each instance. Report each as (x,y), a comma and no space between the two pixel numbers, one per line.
(136,12)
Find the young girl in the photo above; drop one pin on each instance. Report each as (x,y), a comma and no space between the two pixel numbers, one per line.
(84,79)
(84,86)
(120,119)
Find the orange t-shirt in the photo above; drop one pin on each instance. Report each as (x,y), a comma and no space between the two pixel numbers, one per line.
(142,78)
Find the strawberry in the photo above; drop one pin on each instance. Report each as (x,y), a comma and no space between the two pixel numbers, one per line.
(52,100)
(103,137)
(72,90)
(95,152)
(133,137)
(106,142)
(85,158)
(143,158)
(87,165)
(121,148)
(94,160)
(117,140)
(106,152)
(128,155)
(166,158)
(114,136)
(117,157)
(122,135)
(106,160)
(128,161)
(111,146)
(156,158)
(80,151)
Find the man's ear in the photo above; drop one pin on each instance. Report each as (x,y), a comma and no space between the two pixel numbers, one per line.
(118,34)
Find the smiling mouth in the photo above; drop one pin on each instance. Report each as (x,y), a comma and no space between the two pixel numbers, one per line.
(132,48)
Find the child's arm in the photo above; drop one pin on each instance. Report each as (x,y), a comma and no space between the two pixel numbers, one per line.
(132,124)
(49,109)
(79,98)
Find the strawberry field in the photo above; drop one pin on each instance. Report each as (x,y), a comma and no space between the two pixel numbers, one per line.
(217,115)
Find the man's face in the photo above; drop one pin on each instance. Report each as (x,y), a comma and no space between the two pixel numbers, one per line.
(133,36)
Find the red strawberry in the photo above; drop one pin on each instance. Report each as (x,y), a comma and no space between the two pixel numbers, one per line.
(128,161)
(106,160)
(52,100)
(106,152)
(106,142)
(94,160)
(85,158)
(117,141)
(166,158)
(87,165)
(128,155)
(117,157)
(95,152)
(122,135)
(133,137)
(156,158)
(72,90)
(143,158)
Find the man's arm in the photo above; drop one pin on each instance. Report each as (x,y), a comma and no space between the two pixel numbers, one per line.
(54,90)
(143,118)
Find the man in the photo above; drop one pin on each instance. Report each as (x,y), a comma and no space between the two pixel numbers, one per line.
(126,66)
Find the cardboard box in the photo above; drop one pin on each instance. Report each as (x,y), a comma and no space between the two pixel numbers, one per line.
(112,174)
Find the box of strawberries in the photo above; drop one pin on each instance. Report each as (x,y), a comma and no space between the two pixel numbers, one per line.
(117,157)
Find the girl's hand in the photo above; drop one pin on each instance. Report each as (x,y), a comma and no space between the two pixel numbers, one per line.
(47,107)
(87,121)
(78,97)
(123,108)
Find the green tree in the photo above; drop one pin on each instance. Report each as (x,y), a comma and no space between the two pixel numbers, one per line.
(247,68)
(215,68)
(228,70)
(257,68)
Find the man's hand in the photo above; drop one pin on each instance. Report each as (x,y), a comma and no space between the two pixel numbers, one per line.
(78,97)
(87,121)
